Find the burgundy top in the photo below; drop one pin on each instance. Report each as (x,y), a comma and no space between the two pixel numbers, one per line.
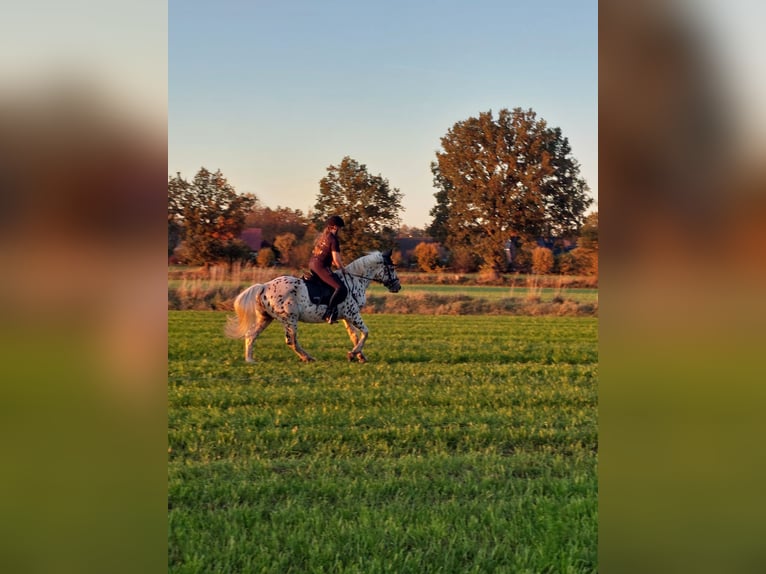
(324,245)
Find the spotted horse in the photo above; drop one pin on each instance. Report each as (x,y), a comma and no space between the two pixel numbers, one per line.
(287,300)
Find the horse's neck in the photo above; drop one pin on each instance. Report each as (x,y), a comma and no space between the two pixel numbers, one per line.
(361,270)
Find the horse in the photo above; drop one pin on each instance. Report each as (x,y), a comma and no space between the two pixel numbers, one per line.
(286,299)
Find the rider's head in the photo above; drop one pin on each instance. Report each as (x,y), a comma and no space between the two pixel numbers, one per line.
(334,221)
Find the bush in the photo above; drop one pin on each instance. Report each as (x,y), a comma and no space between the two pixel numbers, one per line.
(488,275)
(463,260)
(285,243)
(586,261)
(301,253)
(522,260)
(579,261)
(266,257)
(542,260)
(567,264)
(427,255)
(594,263)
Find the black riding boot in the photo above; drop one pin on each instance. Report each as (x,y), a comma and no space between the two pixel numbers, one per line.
(331,315)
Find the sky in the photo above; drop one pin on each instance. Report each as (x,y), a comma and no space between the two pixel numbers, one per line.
(272,93)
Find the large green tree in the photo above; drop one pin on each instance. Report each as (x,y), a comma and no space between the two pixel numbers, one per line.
(502,177)
(369,207)
(208,215)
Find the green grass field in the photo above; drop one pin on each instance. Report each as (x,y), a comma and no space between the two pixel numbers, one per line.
(466,444)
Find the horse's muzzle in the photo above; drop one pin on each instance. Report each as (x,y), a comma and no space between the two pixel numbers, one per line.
(393,286)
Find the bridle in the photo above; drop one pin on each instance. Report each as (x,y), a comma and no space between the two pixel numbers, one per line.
(387,282)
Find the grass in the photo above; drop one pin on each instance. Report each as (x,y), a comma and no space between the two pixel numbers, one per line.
(494,293)
(466,444)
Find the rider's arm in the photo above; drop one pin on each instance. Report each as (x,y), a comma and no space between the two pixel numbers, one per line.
(337,260)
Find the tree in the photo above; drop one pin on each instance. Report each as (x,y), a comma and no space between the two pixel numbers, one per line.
(586,253)
(589,232)
(369,207)
(176,194)
(504,177)
(274,222)
(209,213)
(414,232)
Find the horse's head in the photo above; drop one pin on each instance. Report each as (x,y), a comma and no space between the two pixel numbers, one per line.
(387,273)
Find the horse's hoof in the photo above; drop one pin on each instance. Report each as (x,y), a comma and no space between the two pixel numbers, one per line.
(250,360)
(361,358)
(350,356)
(307,359)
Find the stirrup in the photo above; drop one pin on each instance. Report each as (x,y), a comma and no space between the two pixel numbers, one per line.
(331,317)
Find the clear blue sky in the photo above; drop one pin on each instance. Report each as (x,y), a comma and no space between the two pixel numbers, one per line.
(272,93)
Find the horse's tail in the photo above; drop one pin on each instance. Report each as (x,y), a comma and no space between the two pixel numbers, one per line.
(245,306)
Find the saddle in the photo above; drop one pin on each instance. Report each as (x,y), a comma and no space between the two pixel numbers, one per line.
(319,291)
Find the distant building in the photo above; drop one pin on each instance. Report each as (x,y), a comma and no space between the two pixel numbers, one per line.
(253,237)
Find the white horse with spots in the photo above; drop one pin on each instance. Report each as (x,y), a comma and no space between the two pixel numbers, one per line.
(287,300)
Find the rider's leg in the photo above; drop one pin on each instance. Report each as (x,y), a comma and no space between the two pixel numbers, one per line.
(339,292)
(338,295)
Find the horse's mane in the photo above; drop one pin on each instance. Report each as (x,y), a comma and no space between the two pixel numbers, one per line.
(363,262)
(360,261)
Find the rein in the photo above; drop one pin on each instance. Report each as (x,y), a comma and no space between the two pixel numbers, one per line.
(351,291)
(362,276)
(381,281)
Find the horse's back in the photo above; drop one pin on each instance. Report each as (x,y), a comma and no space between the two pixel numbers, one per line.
(284,290)
(285,285)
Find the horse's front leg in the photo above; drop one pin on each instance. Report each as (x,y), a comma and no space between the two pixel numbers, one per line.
(352,332)
(291,338)
(358,332)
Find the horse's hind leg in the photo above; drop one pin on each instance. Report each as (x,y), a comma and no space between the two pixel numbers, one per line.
(291,338)
(261,323)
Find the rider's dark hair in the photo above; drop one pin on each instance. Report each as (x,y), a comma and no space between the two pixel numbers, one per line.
(334,220)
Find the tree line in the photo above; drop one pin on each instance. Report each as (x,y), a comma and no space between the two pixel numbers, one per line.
(501,182)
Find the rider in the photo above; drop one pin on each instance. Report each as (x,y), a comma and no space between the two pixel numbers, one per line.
(326,252)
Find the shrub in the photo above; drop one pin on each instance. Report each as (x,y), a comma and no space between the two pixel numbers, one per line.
(522,260)
(488,275)
(567,264)
(594,263)
(266,257)
(542,260)
(586,261)
(300,254)
(427,256)
(463,260)
(285,243)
